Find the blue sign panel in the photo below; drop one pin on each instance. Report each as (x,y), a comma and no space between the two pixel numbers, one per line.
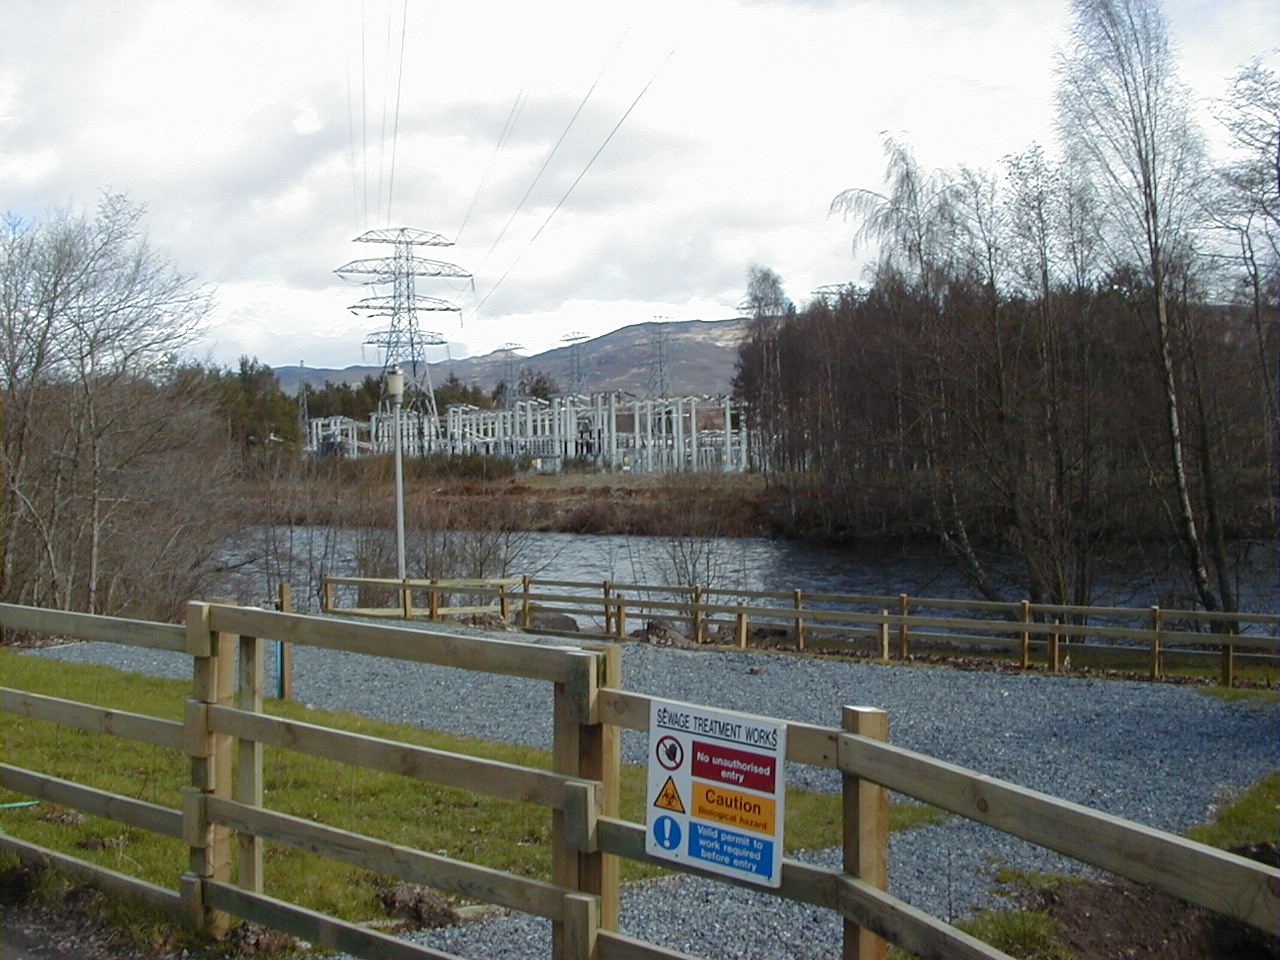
(667,832)
(728,848)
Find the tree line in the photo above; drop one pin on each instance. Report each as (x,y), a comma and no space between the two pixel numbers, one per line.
(125,464)
(1053,358)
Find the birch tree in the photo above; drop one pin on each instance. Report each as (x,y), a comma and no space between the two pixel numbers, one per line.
(94,431)
(1125,120)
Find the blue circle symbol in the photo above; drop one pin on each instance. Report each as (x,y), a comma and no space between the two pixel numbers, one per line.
(666,830)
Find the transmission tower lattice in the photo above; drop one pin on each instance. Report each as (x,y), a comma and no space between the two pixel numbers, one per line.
(574,340)
(658,382)
(510,377)
(403,341)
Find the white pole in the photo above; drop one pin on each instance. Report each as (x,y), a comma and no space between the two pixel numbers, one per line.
(395,388)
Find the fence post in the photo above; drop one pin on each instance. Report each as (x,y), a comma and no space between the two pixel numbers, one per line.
(904,605)
(526,612)
(741,626)
(1228,665)
(1156,670)
(585,747)
(697,615)
(248,773)
(1055,660)
(326,594)
(606,591)
(284,683)
(433,600)
(866,831)
(504,602)
(798,597)
(884,635)
(209,846)
(1025,639)
(602,760)
(620,617)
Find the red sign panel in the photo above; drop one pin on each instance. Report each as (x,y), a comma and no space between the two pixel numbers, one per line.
(741,768)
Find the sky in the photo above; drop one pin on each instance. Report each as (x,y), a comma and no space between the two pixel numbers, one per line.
(597,164)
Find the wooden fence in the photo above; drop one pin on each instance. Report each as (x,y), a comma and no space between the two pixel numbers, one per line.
(890,627)
(224,822)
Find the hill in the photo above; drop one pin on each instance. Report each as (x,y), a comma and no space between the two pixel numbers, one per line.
(700,356)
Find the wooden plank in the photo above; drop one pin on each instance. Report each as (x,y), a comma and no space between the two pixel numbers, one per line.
(806,742)
(889,917)
(1190,871)
(316,928)
(492,584)
(865,812)
(90,800)
(212,684)
(109,881)
(601,761)
(505,657)
(618,946)
(565,863)
(87,626)
(413,866)
(492,777)
(83,716)
(248,773)
(918,933)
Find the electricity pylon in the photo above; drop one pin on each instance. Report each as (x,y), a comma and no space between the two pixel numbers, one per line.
(576,377)
(403,342)
(510,376)
(659,385)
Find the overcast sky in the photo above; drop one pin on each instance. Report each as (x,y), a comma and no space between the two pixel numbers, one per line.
(263,136)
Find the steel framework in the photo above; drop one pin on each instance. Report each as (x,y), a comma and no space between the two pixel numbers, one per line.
(403,341)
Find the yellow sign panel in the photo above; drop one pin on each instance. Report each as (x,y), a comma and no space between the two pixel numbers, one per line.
(669,797)
(732,808)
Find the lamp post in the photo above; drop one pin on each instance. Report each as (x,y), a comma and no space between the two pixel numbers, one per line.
(395,390)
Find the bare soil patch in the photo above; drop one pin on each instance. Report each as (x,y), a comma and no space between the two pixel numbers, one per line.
(1102,920)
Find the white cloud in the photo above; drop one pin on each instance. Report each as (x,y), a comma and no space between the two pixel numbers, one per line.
(264,136)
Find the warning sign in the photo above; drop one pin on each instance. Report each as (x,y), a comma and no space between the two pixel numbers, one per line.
(716,791)
(669,797)
(732,808)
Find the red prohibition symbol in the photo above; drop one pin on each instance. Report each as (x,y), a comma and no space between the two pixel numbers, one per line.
(670,753)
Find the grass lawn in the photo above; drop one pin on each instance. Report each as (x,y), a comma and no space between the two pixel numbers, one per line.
(496,833)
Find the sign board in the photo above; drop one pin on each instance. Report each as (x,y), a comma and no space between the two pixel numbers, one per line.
(716,791)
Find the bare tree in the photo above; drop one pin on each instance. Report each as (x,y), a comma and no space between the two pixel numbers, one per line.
(1126,120)
(95,427)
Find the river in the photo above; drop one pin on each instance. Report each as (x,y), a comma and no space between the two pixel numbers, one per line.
(263,557)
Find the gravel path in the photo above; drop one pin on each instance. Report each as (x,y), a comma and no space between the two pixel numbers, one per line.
(1160,754)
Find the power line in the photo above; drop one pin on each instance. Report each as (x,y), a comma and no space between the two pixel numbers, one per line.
(575,183)
(395,129)
(552,152)
(516,107)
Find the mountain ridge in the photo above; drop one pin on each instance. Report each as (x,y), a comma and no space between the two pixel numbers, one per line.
(699,358)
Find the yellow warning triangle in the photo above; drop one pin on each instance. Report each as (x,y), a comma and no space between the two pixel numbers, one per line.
(669,797)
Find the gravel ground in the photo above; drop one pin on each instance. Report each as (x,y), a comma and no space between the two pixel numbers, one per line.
(1160,754)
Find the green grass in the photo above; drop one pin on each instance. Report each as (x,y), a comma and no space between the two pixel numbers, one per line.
(496,833)
(1261,700)
(1251,817)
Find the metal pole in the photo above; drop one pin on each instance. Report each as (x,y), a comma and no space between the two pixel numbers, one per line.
(395,388)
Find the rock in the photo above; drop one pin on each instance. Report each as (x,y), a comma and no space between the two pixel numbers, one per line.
(420,906)
(558,622)
(662,635)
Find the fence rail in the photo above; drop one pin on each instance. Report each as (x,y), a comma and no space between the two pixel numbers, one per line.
(891,626)
(224,820)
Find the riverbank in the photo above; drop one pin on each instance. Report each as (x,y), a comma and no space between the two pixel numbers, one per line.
(720,505)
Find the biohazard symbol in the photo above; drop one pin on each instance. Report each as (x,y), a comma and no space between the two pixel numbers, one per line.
(669,798)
